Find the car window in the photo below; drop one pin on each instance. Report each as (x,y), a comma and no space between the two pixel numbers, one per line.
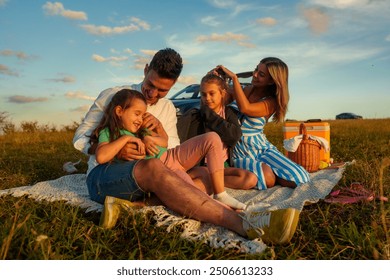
(190,92)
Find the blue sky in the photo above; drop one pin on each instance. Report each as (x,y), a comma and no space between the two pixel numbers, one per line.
(56,57)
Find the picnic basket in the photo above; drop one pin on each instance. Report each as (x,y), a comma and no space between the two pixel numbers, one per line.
(308,153)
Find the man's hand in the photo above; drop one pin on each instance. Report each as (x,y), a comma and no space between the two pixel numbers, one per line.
(151,146)
(130,152)
(150,122)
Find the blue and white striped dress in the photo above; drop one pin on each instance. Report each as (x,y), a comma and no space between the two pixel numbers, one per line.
(253,149)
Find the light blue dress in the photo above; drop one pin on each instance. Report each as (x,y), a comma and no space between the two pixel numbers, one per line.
(253,149)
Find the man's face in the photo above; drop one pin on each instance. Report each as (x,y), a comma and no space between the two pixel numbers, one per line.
(154,87)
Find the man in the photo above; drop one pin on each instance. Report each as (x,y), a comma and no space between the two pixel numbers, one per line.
(160,76)
(125,187)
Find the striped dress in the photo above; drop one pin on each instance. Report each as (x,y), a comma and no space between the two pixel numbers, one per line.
(253,149)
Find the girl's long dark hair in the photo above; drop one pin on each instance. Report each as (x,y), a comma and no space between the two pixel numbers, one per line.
(122,98)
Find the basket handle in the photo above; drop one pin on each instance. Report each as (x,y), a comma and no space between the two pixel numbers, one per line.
(302,130)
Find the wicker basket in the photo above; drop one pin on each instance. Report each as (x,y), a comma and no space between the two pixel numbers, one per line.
(308,152)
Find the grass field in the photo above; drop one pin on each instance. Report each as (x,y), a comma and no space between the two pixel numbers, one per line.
(32,230)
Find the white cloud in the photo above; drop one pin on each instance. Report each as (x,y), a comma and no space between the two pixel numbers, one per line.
(142,59)
(112,50)
(99,58)
(4,69)
(269,21)
(78,95)
(81,109)
(25,99)
(318,56)
(57,9)
(340,4)
(241,8)
(103,30)
(228,37)
(387,38)
(186,80)
(3,2)
(65,79)
(127,50)
(246,44)
(223,4)
(317,19)
(186,48)
(210,21)
(373,8)
(141,23)
(231,5)
(149,52)
(18,54)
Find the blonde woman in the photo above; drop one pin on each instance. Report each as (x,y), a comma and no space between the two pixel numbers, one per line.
(267,97)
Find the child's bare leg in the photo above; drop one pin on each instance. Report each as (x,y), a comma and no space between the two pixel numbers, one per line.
(208,145)
(237,178)
(201,177)
(217,173)
(269,175)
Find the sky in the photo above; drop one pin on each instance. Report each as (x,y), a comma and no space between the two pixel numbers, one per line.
(56,57)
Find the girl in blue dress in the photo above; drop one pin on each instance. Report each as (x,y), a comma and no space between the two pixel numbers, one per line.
(267,97)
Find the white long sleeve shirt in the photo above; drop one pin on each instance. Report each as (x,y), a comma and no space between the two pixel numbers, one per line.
(163,110)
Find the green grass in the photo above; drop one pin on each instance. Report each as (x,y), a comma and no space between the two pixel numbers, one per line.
(43,230)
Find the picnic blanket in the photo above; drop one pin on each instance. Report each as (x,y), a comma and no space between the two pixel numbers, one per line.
(73,190)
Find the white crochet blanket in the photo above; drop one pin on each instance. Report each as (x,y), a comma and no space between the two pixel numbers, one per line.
(73,189)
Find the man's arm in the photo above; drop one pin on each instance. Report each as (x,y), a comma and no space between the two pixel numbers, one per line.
(90,122)
(170,126)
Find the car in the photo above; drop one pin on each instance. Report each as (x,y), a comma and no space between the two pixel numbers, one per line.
(189,97)
(186,99)
(348,116)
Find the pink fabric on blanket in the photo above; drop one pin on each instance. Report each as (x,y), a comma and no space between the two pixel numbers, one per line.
(353,194)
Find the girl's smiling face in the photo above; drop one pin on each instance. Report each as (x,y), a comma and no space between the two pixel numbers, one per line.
(131,117)
(212,96)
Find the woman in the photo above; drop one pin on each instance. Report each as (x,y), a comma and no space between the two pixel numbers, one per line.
(266,97)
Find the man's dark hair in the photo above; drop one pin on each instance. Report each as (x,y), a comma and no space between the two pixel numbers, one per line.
(167,63)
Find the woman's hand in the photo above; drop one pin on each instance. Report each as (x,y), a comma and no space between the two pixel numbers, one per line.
(222,70)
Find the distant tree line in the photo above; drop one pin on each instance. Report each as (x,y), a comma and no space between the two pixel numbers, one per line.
(8,127)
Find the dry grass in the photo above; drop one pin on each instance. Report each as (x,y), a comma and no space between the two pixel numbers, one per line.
(32,230)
